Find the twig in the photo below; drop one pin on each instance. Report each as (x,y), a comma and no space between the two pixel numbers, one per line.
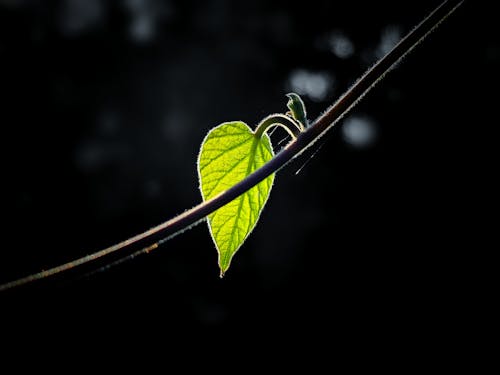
(165,231)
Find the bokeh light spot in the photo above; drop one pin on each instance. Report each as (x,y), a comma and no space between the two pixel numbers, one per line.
(341,45)
(389,37)
(316,85)
(359,131)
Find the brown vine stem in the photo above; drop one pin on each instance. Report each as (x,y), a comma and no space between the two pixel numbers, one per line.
(165,231)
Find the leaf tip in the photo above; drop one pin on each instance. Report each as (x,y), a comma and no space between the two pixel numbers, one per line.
(222,273)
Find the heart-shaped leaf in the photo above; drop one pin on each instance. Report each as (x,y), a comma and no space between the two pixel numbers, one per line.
(229,153)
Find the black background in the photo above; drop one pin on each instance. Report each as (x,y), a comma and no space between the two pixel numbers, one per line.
(102,122)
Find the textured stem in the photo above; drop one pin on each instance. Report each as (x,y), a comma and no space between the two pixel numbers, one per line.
(286,122)
(303,140)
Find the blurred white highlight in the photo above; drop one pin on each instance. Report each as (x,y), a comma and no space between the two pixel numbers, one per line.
(359,131)
(389,37)
(340,45)
(316,85)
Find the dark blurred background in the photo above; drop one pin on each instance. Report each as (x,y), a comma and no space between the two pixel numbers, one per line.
(105,104)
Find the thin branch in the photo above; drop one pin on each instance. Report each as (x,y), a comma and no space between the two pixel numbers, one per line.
(165,231)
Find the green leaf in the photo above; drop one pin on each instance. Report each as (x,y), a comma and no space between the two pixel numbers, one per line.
(229,153)
(297,109)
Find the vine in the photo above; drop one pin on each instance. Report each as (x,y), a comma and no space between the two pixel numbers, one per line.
(261,167)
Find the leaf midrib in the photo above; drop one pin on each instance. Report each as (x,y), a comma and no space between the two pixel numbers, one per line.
(251,161)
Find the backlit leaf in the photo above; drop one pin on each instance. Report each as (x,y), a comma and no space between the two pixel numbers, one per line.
(229,153)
